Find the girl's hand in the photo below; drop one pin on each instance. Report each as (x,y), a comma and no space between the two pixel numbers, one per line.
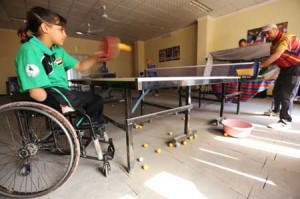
(99,56)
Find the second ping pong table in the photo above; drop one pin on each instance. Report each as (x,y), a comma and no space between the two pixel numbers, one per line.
(144,85)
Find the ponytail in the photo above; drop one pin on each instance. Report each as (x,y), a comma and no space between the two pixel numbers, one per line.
(34,18)
(22,32)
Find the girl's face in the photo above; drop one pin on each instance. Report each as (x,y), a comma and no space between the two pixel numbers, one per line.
(57,34)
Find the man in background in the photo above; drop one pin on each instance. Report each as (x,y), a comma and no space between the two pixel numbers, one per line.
(103,68)
(242,43)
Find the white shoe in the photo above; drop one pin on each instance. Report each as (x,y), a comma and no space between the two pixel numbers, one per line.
(297,99)
(271,113)
(281,125)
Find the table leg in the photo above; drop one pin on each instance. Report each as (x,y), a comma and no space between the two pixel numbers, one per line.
(179,96)
(238,98)
(129,140)
(188,101)
(223,98)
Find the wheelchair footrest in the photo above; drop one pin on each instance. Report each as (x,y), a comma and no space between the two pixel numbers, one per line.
(109,155)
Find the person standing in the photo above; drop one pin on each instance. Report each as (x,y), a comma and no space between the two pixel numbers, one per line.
(104,68)
(285,53)
(242,43)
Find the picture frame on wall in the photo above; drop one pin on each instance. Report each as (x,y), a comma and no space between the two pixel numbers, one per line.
(162,55)
(169,54)
(255,35)
(176,53)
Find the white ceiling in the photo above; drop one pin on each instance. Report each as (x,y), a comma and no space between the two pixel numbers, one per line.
(136,19)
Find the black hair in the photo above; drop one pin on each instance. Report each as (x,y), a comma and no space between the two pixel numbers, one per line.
(241,41)
(35,17)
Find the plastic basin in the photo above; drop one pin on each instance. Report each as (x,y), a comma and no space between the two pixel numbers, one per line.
(237,128)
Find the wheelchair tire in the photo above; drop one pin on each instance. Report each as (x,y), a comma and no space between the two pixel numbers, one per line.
(106,169)
(30,139)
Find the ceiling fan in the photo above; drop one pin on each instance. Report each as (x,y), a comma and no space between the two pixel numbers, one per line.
(105,16)
(89,31)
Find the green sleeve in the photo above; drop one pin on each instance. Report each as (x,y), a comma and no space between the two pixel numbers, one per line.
(30,71)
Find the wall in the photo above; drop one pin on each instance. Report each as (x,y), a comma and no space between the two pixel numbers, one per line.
(139,56)
(123,65)
(185,38)
(205,29)
(196,41)
(229,29)
(8,49)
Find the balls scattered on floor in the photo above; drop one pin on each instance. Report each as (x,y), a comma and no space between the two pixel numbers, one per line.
(145,145)
(170,133)
(158,151)
(171,144)
(184,142)
(140,159)
(145,167)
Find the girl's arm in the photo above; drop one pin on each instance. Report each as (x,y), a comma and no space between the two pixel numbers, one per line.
(38,94)
(86,64)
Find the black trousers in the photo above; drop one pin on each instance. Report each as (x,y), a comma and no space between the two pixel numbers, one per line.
(91,103)
(285,90)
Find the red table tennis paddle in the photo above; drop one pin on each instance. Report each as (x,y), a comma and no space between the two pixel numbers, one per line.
(112,46)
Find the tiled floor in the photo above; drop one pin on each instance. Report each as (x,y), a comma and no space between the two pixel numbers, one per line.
(264,165)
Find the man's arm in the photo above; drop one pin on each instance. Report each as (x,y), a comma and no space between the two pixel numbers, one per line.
(270,60)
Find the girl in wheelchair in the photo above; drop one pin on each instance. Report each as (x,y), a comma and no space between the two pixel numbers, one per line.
(41,64)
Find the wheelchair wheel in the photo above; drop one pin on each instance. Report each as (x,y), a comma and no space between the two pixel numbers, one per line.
(39,150)
(106,169)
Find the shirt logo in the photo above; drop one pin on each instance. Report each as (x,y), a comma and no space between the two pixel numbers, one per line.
(32,70)
(58,61)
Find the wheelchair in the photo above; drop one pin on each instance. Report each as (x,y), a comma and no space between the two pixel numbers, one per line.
(40,147)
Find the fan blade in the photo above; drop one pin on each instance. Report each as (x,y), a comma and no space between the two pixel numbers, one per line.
(85,33)
(111,19)
(97,30)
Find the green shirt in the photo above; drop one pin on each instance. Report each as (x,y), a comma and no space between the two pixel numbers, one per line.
(30,62)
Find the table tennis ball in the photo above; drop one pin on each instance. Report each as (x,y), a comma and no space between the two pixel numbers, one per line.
(184,142)
(191,137)
(158,151)
(170,133)
(140,159)
(145,145)
(170,144)
(139,127)
(145,167)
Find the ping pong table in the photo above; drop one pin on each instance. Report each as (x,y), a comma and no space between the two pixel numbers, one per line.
(144,85)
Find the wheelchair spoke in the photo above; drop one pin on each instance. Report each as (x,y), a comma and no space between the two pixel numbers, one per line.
(37,151)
